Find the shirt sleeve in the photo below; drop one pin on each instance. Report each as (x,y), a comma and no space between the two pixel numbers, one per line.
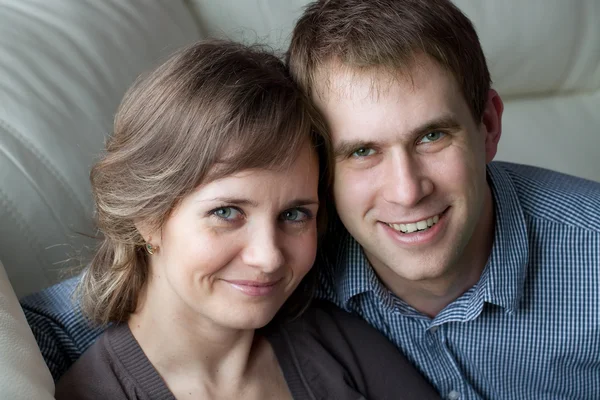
(62,332)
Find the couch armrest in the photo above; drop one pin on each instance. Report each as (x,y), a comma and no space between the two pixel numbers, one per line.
(24,373)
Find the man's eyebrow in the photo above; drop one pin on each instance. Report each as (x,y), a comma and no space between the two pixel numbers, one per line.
(445,122)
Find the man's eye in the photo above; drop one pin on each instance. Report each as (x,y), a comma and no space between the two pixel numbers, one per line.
(363,152)
(432,137)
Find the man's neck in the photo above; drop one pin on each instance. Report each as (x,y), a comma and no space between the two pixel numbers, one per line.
(431,297)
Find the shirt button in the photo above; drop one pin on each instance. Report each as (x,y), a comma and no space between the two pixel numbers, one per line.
(434,329)
(453,395)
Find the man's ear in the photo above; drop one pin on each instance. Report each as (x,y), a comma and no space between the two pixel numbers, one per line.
(491,122)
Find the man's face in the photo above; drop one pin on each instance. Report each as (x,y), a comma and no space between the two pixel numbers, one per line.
(410,170)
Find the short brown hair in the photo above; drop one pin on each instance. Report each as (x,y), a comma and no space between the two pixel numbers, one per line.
(213,104)
(364,34)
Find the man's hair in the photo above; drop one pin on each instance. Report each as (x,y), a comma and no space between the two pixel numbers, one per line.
(212,109)
(388,34)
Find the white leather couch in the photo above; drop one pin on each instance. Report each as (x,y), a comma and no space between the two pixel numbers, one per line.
(64,65)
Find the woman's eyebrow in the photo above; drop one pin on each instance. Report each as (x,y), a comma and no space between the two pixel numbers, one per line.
(302,202)
(237,201)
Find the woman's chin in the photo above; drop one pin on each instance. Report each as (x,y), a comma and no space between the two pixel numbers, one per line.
(253,318)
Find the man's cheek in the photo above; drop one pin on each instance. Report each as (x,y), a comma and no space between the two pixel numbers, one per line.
(345,186)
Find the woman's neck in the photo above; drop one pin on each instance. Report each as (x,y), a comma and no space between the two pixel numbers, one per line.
(192,352)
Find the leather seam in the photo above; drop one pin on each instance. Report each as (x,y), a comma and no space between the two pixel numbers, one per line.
(53,170)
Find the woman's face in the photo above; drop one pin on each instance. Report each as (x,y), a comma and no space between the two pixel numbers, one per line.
(235,249)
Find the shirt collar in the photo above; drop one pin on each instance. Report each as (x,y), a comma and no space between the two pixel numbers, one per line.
(504,276)
(510,253)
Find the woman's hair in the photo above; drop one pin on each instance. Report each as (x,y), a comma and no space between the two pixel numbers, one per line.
(210,110)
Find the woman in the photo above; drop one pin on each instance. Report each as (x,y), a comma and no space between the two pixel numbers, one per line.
(208,197)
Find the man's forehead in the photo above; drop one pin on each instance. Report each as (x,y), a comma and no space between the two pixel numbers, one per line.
(364,104)
(342,82)
(335,80)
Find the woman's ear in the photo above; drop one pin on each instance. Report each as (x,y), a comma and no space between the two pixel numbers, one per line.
(148,233)
(492,123)
(151,237)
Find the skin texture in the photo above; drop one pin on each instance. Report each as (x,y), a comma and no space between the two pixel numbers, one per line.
(407,149)
(230,235)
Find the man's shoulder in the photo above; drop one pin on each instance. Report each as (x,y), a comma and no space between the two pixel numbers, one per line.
(553,196)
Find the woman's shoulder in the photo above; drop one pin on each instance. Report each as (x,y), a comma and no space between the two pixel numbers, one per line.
(340,353)
(325,325)
(327,321)
(109,369)
(92,376)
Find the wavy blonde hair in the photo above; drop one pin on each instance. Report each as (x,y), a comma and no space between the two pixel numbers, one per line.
(214,102)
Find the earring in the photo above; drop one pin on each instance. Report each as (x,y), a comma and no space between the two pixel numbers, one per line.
(150,249)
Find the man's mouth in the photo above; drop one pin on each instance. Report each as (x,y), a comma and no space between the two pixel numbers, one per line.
(417,226)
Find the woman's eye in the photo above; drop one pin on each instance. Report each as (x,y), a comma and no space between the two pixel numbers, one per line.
(295,215)
(228,213)
(363,152)
(432,137)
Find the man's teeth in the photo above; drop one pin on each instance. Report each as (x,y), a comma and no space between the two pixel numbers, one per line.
(417,226)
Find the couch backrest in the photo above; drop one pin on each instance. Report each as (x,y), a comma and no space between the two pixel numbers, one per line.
(64,68)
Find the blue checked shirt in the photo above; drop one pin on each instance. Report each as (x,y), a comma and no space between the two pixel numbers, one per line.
(530,328)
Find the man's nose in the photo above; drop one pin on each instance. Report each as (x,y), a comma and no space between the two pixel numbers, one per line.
(405,183)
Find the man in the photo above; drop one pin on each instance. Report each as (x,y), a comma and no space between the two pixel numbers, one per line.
(485,274)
